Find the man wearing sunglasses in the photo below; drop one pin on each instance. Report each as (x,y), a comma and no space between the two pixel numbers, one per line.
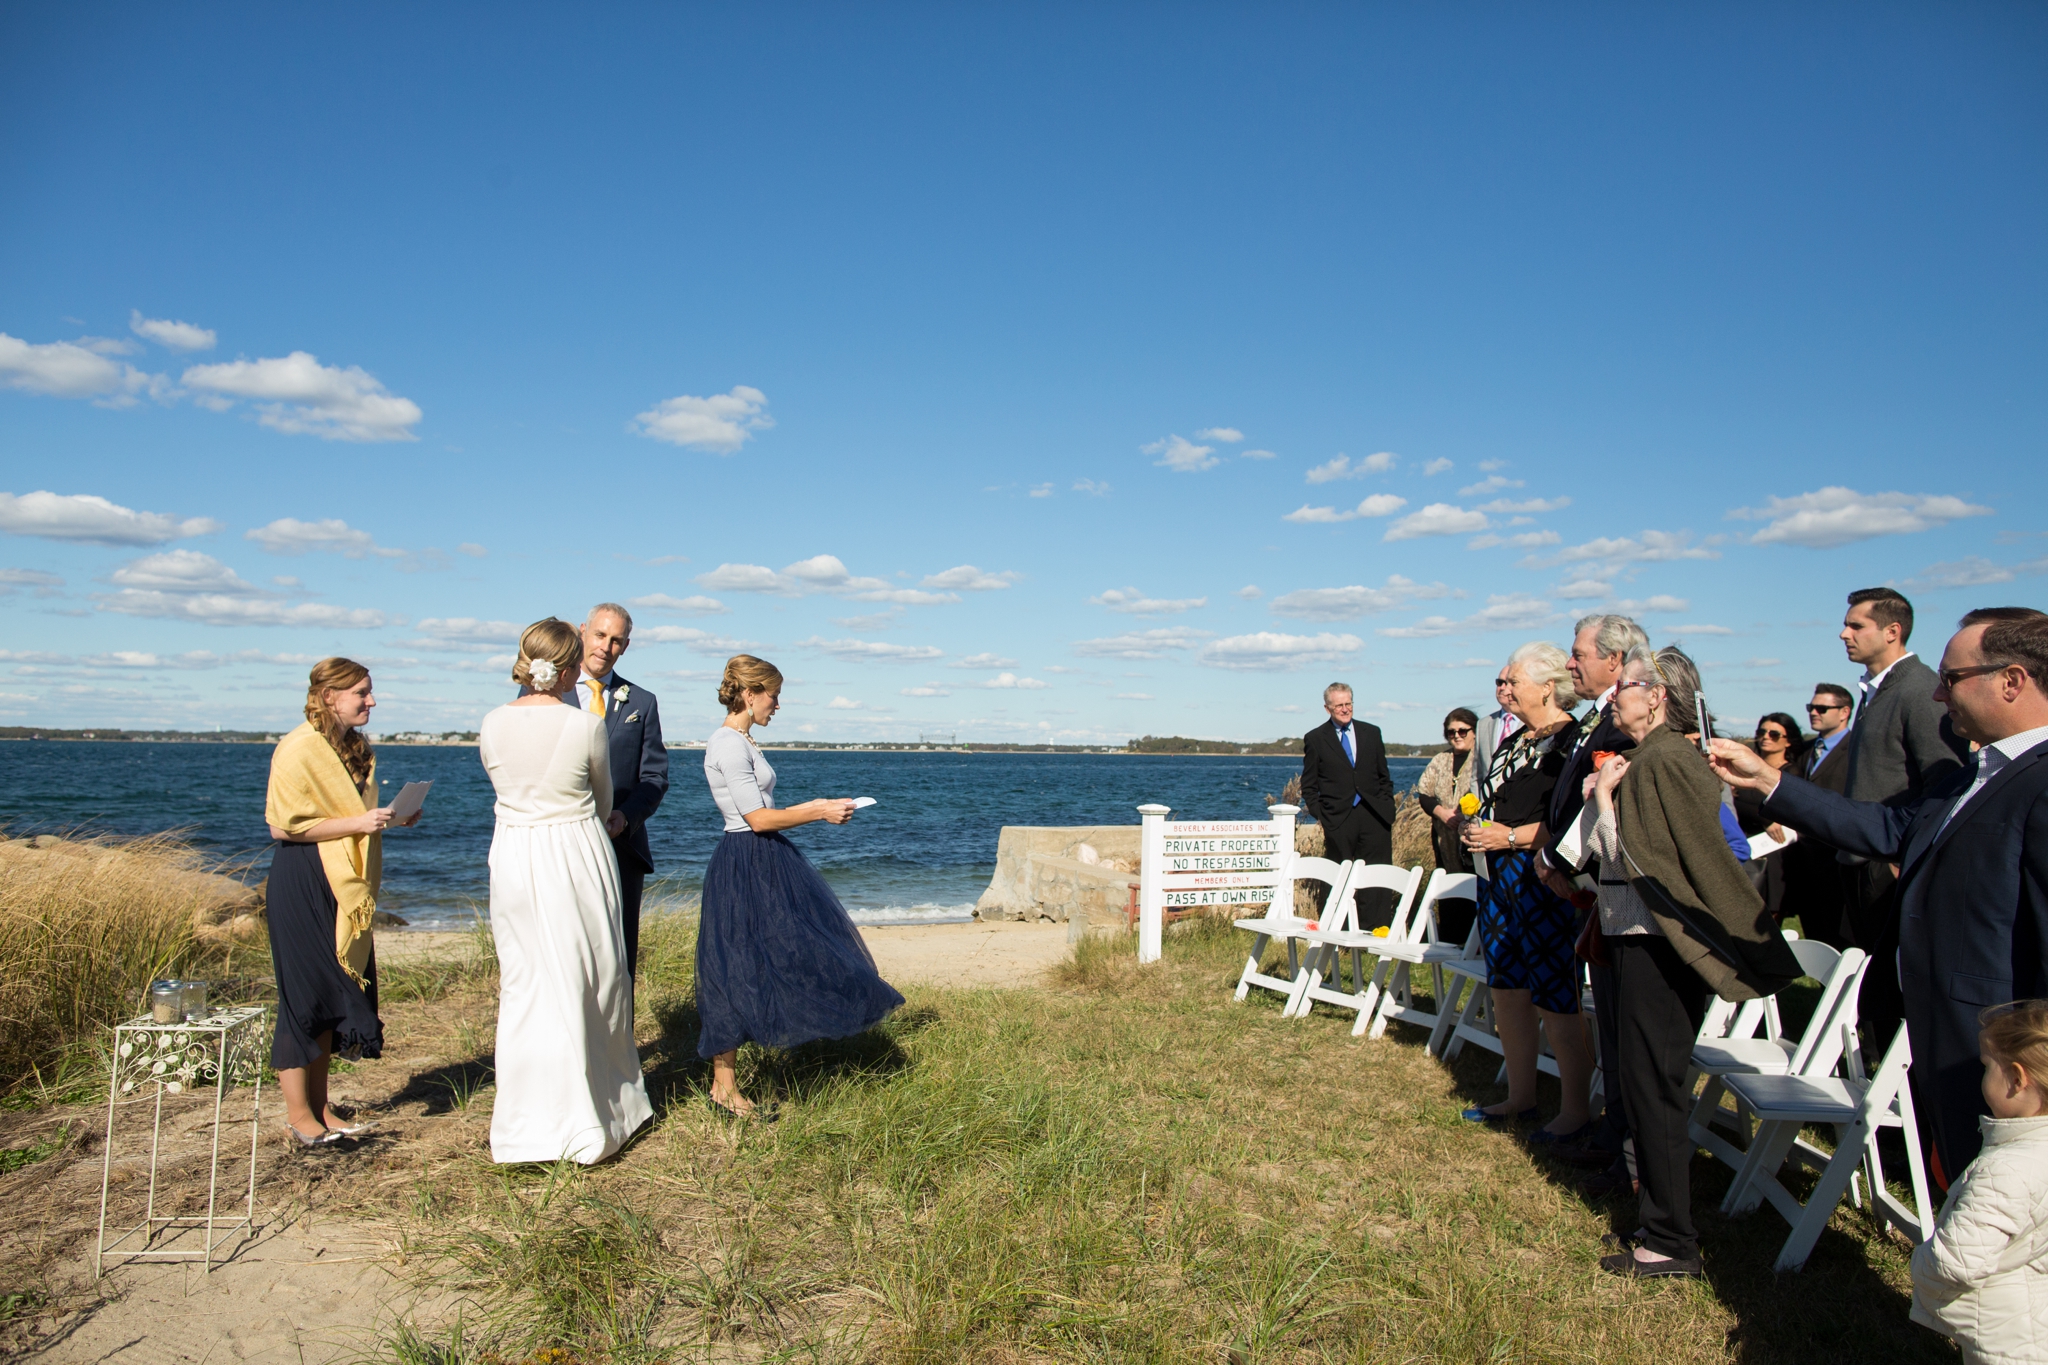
(1817,886)
(1972,854)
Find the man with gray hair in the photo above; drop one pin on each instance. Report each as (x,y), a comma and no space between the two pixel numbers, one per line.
(632,724)
(1346,787)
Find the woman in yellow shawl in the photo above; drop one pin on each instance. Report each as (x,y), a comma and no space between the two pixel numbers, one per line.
(323,813)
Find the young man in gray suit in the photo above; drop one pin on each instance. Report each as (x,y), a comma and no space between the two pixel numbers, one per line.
(632,722)
(1973,860)
(1898,746)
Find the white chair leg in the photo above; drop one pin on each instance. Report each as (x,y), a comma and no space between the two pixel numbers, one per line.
(1813,1219)
(1251,964)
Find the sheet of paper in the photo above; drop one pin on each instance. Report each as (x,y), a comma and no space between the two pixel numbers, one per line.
(863,802)
(1763,845)
(407,803)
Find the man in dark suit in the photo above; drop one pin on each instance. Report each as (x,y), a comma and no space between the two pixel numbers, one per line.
(1972,854)
(1816,885)
(1599,644)
(1898,748)
(632,722)
(1346,787)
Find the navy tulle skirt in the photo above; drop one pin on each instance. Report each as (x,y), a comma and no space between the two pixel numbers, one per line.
(779,961)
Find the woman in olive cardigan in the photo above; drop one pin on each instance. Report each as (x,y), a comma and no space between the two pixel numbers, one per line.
(1679,920)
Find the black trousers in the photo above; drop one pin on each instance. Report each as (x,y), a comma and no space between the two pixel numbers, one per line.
(1607,1019)
(1358,833)
(1663,1003)
(1871,915)
(631,884)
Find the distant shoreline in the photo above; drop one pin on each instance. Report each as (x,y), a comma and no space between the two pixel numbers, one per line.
(673,748)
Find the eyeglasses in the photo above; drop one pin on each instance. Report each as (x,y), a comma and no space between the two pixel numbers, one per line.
(1951,676)
(1636,682)
(1499,683)
(1772,734)
(1827,706)
(1457,732)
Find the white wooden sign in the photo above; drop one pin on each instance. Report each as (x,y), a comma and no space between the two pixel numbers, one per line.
(1189,864)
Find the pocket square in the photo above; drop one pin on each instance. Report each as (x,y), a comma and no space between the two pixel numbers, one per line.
(630,719)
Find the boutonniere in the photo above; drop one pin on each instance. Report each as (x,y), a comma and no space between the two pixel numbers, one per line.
(622,693)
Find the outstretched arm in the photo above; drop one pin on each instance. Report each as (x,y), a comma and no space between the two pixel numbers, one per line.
(1864,828)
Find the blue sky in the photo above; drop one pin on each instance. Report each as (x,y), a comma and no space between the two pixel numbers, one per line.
(1064,372)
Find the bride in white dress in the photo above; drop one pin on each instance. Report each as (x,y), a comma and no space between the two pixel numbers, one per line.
(568,1070)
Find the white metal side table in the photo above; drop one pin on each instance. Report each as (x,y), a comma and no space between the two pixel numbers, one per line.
(217,1051)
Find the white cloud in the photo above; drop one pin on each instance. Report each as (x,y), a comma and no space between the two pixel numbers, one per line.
(876,651)
(743,578)
(1227,435)
(819,573)
(1258,455)
(1503,611)
(465,634)
(1527,505)
(985,661)
(1342,604)
(219,609)
(1141,644)
(1488,466)
(1091,487)
(1679,632)
(1435,467)
(1009,680)
(1462,663)
(844,704)
(1342,468)
(289,536)
(1378,505)
(1662,604)
(931,690)
(1271,651)
(967,578)
(1181,455)
(1834,516)
(721,423)
(1527,540)
(1043,490)
(65,369)
(1132,602)
(45,584)
(178,336)
(681,606)
(185,571)
(1582,589)
(874,620)
(1974,571)
(299,395)
(1249,592)
(1437,519)
(1135,696)
(703,641)
(472,549)
(1493,483)
(1650,547)
(93,520)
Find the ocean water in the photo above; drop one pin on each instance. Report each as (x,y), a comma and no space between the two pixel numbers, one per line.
(923,853)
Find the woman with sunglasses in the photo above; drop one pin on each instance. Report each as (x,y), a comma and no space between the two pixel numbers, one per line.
(1447,778)
(1779,743)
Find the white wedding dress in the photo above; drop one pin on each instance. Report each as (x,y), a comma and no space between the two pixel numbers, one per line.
(568,1070)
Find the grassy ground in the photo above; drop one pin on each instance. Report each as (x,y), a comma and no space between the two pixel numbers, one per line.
(1124,1165)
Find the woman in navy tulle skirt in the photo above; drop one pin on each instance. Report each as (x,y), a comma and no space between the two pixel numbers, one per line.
(779,961)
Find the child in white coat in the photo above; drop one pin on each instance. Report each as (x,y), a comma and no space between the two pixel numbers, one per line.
(1982,1278)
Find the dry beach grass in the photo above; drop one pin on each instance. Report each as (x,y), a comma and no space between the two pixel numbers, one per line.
(1116,1165)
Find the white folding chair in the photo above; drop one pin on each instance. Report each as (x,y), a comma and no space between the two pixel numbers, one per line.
(1421,948)
(1816,1052)
(1857,1109)
(1282,924)
(1341,935)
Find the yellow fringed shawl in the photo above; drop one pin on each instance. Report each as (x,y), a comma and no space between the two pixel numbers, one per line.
(309,783)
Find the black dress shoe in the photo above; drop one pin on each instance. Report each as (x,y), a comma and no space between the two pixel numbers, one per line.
(1582,1154)
(1612,1181)
(1677,1268)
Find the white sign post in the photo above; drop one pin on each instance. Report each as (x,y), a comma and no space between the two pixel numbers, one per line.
(1186,865)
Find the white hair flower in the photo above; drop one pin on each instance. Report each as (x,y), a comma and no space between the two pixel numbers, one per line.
(543,672)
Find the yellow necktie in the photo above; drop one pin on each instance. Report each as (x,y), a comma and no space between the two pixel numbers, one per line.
(596,696)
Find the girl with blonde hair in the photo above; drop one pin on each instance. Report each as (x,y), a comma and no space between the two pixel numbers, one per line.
(779,960)
(322,810)
(568,1070)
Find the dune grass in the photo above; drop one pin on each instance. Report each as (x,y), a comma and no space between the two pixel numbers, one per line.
(1121,1165)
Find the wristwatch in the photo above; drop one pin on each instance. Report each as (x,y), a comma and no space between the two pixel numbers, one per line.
(1511,838)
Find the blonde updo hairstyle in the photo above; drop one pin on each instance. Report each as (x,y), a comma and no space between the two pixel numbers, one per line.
(338,675)
(554,641)
(1543,662)
(743,674)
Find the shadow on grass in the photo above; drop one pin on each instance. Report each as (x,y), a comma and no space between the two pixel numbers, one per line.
(675,1074)
(446,1089)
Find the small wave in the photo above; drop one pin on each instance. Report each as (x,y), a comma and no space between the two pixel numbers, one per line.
(897,915)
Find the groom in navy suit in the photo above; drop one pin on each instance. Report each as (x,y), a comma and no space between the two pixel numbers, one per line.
(632,722)
(1345,786)
(1972,852)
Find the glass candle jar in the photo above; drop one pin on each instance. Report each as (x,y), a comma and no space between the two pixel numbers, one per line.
(195,1000)
(167,1002)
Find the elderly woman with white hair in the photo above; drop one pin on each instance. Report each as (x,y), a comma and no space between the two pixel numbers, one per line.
(1526,929)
